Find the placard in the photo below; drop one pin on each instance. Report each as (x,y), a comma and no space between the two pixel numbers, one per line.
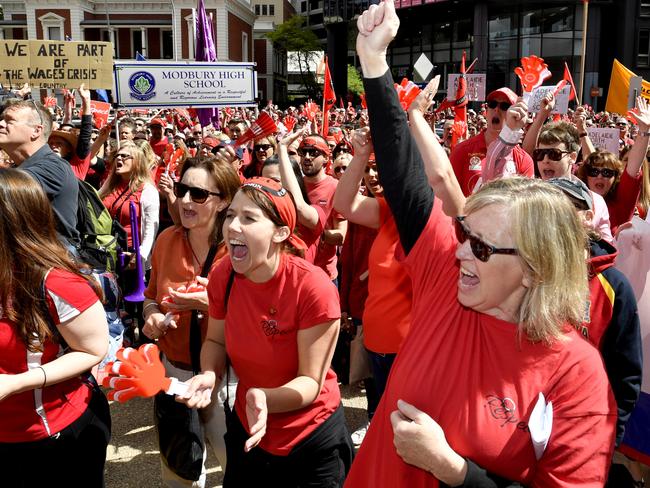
(181,84)
(56,64)
(100,112)
(475,87)
(605,138)
(561,99)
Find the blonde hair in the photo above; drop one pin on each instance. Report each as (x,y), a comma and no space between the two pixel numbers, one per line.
(149,155)
(140,173)
(551,242)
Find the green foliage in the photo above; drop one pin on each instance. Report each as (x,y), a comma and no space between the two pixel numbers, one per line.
(355,84)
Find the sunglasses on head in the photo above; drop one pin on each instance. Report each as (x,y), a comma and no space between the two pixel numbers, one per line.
(340,169)
(553,153)
(314,153)
(197,195)
(604,172)
(262,147)
(480,249)
(278,193)
(502,105)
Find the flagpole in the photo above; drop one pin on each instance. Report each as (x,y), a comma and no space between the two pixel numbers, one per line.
(585,14)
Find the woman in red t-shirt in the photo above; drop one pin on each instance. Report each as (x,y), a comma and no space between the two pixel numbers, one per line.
(50,418)
(277,318)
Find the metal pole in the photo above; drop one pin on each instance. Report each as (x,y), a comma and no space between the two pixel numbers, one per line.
(174,30)
(585,14)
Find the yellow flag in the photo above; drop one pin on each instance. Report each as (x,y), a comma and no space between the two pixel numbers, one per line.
(619,87)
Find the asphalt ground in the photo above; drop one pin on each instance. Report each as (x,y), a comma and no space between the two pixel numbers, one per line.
(132,458)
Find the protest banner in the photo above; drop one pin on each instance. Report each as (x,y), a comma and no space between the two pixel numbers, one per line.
(178,84)
(475,87)
(56,64)
(605,138)
(619,88)
(100,111)
(561,99)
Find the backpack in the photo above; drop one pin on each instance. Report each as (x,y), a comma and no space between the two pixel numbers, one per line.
(99,235)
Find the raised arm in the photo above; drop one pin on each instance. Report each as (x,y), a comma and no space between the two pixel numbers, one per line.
(83,142)
(307,215)
(547,106)
(401,171)
(357,208)
(579,119)
(437,166)
(640,147)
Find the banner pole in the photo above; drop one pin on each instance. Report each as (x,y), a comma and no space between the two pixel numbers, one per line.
(585,14)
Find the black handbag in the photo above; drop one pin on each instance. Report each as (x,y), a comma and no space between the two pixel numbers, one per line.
(179,428)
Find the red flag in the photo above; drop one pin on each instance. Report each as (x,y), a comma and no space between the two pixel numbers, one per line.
(568,78)
(460,106)
(329,98)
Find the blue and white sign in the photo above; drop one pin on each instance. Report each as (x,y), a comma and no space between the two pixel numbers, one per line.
(180,84)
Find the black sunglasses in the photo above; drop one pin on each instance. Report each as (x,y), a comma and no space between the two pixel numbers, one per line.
(197,195)
(553,153)
(605,172)
(480,249)
(262,147)
(314,153)
(340,169)
(502,105)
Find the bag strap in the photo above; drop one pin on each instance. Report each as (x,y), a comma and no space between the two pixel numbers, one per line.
(195,328)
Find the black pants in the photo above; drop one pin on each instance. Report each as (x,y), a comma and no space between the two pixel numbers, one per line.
(74,457)
(322,460)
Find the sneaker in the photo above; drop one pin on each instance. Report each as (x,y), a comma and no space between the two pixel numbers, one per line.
(359,434)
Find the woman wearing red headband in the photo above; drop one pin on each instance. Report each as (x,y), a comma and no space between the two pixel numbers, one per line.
(279,317)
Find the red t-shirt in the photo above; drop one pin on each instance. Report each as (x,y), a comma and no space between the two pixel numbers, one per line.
(353,280)
(322,194)
(311,237)
(159,146)
(621,202)
(67,296)
(80,166)
(262,324)
(387,315)
(172,265)
(466,159)
(474,376)
(117,203)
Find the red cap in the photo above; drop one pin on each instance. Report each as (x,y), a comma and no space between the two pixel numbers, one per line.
(210,141)
(157,121)
(315,142)
(283,203)
(504,92)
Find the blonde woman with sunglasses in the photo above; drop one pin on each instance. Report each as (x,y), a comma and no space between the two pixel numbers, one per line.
(493,372)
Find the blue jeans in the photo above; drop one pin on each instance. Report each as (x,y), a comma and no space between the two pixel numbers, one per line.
(380,365)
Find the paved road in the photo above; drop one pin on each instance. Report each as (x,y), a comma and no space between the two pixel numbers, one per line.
(132,457)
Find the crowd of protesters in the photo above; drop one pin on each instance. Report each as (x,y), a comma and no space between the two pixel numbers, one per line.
(502,345)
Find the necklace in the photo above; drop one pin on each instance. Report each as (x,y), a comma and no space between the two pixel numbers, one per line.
(196,258)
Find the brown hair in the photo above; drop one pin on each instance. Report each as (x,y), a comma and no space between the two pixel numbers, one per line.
(601,159)
(29,248)
(557,132)
(227,181)
(271,212)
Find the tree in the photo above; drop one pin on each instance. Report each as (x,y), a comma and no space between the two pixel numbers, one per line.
(355,84)
(301,46)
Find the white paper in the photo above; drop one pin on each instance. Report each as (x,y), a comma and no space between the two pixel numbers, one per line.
(561,99)
(540,425)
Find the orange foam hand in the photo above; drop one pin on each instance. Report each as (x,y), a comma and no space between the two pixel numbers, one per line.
(137,373)
(532,72)
(407,91)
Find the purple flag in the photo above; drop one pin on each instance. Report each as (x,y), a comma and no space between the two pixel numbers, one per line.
(205,51)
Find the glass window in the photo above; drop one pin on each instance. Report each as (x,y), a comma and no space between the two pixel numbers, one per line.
(557,46)
(643,58)
(463,32)
(502,25)
(54,33)
(303,7)
(271,9)
(402,56)
(257,9)
(441,56)
(265,10)
(531,22)
(167,44)
(558,19)
(530,45)
(136,36)
(441,35)
(503,49)
(644,10)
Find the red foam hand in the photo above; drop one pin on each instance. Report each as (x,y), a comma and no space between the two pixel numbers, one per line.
(407,91)
(532,72)
(289,122)
(311,109)
(137,373)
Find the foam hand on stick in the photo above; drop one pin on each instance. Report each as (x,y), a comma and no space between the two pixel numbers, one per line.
(532,73)
(407,91)
(139,373)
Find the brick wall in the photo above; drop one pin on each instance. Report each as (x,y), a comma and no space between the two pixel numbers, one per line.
(260,55)
(235,28)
